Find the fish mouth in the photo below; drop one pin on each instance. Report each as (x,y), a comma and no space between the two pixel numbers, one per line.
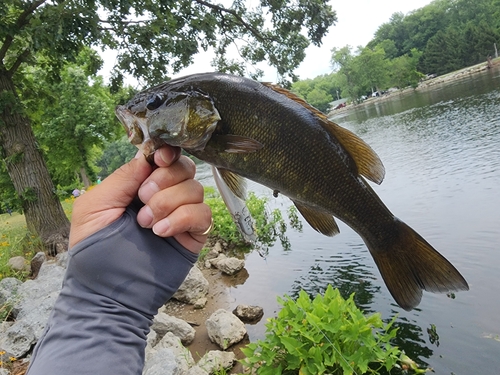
(136,128)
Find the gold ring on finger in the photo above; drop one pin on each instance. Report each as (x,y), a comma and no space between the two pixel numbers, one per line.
(209,229)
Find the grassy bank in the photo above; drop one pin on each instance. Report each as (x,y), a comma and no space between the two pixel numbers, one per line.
(15,240)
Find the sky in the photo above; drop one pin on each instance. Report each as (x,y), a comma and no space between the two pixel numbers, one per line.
(358,20)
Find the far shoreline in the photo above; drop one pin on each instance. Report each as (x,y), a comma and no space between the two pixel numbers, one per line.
(424,85)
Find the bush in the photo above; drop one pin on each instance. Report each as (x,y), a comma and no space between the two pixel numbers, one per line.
(269,225)
(326,335)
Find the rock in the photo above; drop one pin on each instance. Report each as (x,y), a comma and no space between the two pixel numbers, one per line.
(8,290)
(163,323)
(225,329)
(214,261)
(195,370)
(213,254)
(151,340)
(249,313)
(228,266)
(163,361)
(200,303)
(18,339)
(30,292)
(32,303)
(170,341)
(36,263)
(194,287)
(4,326)
(215,360)
(62,259)
(19,264)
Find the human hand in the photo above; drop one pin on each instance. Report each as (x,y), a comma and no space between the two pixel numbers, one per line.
(173,200)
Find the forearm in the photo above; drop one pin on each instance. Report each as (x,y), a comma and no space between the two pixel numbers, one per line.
(115,283)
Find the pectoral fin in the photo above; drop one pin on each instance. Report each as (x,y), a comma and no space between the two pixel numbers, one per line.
(320,221)
(235,182)
(236,143)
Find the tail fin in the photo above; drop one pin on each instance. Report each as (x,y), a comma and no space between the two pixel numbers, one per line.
(409,265)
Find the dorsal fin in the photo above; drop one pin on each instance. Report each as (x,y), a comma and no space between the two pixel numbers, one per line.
(367,161)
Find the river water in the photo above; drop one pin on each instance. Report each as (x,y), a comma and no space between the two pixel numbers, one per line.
(441,151)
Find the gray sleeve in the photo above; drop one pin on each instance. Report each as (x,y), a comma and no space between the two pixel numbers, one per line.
(116,280)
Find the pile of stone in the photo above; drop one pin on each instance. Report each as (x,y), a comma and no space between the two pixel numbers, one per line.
(31,302)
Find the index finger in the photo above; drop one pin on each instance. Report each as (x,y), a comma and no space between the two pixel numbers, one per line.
(166,155)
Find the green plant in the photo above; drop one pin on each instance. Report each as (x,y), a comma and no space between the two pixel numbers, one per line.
(202,255)
(16,240)
(269,225)
(326,335)
(5,311)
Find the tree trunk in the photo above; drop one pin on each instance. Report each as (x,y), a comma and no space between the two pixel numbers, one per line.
(85,178)
(27,169)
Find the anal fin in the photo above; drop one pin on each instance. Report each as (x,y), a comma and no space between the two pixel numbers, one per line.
(234,182)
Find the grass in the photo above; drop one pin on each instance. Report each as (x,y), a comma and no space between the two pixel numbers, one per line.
(15,240)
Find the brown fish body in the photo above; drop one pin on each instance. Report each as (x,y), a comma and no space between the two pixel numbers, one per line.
(268,135)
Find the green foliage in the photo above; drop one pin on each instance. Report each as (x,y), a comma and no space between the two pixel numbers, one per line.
(114,155)
(269,226)
(319,92)
(327,335)
(372,68)
(403,70)
(8,197)
(451,34)
(14,241)
(72,118)
(154,38)
(342,61)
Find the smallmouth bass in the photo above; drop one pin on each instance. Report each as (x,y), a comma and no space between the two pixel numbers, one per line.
(262,132)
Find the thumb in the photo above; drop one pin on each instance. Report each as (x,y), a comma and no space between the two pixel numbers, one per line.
(107,201)
(121,187)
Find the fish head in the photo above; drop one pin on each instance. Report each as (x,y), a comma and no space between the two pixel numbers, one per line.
(183,119)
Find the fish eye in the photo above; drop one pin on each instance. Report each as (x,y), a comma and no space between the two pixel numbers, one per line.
(154,102)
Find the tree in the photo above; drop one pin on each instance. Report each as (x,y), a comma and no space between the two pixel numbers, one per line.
(403,70)
(115,154)
(320,99)
(152,38)
(319,92)
(343,62)
(443,52)
(79,120)
(371,68)
(451,34)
